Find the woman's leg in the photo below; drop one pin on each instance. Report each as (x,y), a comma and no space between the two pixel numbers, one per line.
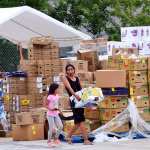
(59,126)
(70,133)
(84,133)
(51,127)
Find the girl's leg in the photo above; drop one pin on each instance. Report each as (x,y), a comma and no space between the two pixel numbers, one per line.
(58,126)
(84,133)
(51,127)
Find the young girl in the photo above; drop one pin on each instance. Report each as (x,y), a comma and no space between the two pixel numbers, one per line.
(54,121)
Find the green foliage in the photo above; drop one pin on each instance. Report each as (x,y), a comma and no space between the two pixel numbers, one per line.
(102,16)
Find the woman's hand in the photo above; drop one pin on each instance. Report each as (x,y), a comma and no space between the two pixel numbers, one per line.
(77,97)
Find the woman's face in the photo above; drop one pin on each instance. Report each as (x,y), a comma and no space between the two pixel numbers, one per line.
(70,71)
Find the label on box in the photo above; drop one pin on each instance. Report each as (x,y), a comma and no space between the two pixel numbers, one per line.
(39,79)
(22,79)
(39,85)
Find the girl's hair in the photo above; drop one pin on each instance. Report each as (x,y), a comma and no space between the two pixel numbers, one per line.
(52,88)
(69,65)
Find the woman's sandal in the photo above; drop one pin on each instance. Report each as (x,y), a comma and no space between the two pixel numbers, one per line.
(87,142)
(69,141)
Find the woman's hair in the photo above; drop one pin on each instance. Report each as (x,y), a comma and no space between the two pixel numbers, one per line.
(52,88)
(69,65)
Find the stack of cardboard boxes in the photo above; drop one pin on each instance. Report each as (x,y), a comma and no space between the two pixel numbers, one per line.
(137,77)
(15,90)
(138,83)
(114,87)
(29,125)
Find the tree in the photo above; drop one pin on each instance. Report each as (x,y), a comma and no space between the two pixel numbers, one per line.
(102,16)
(125,13)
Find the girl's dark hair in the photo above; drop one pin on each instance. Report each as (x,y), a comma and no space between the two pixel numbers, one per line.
(52,88)
(69,65)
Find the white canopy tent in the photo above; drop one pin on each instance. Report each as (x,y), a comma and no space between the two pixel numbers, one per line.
(19,24)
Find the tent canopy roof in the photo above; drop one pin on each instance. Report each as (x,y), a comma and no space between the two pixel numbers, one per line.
(19,24)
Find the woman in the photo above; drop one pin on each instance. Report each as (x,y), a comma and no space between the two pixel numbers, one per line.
(72,85)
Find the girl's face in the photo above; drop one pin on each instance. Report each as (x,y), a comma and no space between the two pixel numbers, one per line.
(70,71)
(57,91)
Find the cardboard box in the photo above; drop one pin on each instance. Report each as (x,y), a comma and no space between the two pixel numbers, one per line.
(64,103)
(141,101)
(109,113)
(24,118)
(114,102)
(149,76)
(86,76)
(44,40)
(92,113)
(145,113)
(28,132)
(138,64)
(94,124)
(91,56)
(138,77)
(148,63)
(103,64)
(34,116)
(110,78)
(80,65)
(139,90)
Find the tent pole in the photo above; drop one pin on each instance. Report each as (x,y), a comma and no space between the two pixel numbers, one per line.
(20,52)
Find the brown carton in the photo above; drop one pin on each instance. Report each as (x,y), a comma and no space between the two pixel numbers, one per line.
(80,65)
(91,56)
(110,78)
(141,101)
(138,64)
(24,118)
(92,113)
(114,102)
(139,90)
(86,76)
(28,132)
(145,113)
(138,77)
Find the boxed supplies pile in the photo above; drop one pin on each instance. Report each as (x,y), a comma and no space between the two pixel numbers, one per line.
(80,65)
(29,125)
(98,44)
(91,56)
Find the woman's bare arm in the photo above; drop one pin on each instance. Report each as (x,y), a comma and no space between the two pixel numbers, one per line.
(67,85)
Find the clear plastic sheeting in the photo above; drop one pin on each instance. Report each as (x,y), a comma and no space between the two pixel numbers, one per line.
(130,114)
